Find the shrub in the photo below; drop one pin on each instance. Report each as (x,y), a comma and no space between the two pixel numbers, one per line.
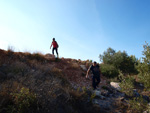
(127,84)
(37,56)
(109,70)
(92,97)
(60,75)
(144,67)
(84,89)
(77,96)
(138,104)
(120,60)
(22,101)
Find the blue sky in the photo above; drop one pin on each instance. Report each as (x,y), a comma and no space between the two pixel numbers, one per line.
(83,28)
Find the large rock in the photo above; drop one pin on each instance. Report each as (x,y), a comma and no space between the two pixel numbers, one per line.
(83,67)
(98,95)
(115,85)
(97,92)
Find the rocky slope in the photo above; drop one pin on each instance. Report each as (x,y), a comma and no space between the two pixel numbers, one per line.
(59,86)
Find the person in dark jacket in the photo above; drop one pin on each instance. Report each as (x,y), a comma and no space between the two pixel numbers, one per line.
(55,47)
(96,74)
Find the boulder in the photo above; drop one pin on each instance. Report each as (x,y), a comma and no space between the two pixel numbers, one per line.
(97,92)
(49,56)
(83,67)
(115,85)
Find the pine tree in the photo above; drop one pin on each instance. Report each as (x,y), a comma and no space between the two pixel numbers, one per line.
(144,67)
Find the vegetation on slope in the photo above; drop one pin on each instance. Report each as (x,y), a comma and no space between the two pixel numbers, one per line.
(31,83)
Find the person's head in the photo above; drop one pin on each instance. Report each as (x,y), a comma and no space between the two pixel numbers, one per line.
(94,63)
(53,39)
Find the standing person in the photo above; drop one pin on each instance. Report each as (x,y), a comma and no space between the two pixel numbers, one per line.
(55,47)
(96,74)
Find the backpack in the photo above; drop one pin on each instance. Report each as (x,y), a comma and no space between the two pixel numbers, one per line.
(57,45)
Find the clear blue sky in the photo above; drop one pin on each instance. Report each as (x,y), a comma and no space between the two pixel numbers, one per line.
(83,28)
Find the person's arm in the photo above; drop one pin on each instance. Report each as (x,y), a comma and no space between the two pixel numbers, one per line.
(87,74)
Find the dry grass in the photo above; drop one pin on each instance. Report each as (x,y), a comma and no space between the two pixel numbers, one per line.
(44,78)
(10,49)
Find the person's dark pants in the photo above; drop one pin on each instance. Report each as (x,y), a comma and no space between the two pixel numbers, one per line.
(95,81)
(55,50)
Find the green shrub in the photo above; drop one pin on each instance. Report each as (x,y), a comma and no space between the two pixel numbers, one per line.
(127,84)
(120,60)
(144,68)
(138,104)
(84,89)
(109,70)
(22,101)
(115,79)
(92,97)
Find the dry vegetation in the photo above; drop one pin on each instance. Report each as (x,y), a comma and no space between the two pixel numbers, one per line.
(31,83)
(34,83)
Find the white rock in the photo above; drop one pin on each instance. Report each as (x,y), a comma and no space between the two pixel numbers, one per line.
(115,85)
(83,67)
(97,92)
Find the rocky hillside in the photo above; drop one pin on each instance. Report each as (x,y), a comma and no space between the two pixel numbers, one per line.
(37,83)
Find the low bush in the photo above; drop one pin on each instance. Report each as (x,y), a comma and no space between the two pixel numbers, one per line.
(144,68)
(121,60)
(22,101)
(109,70)
(127,84)
(138,104)
(35,56)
